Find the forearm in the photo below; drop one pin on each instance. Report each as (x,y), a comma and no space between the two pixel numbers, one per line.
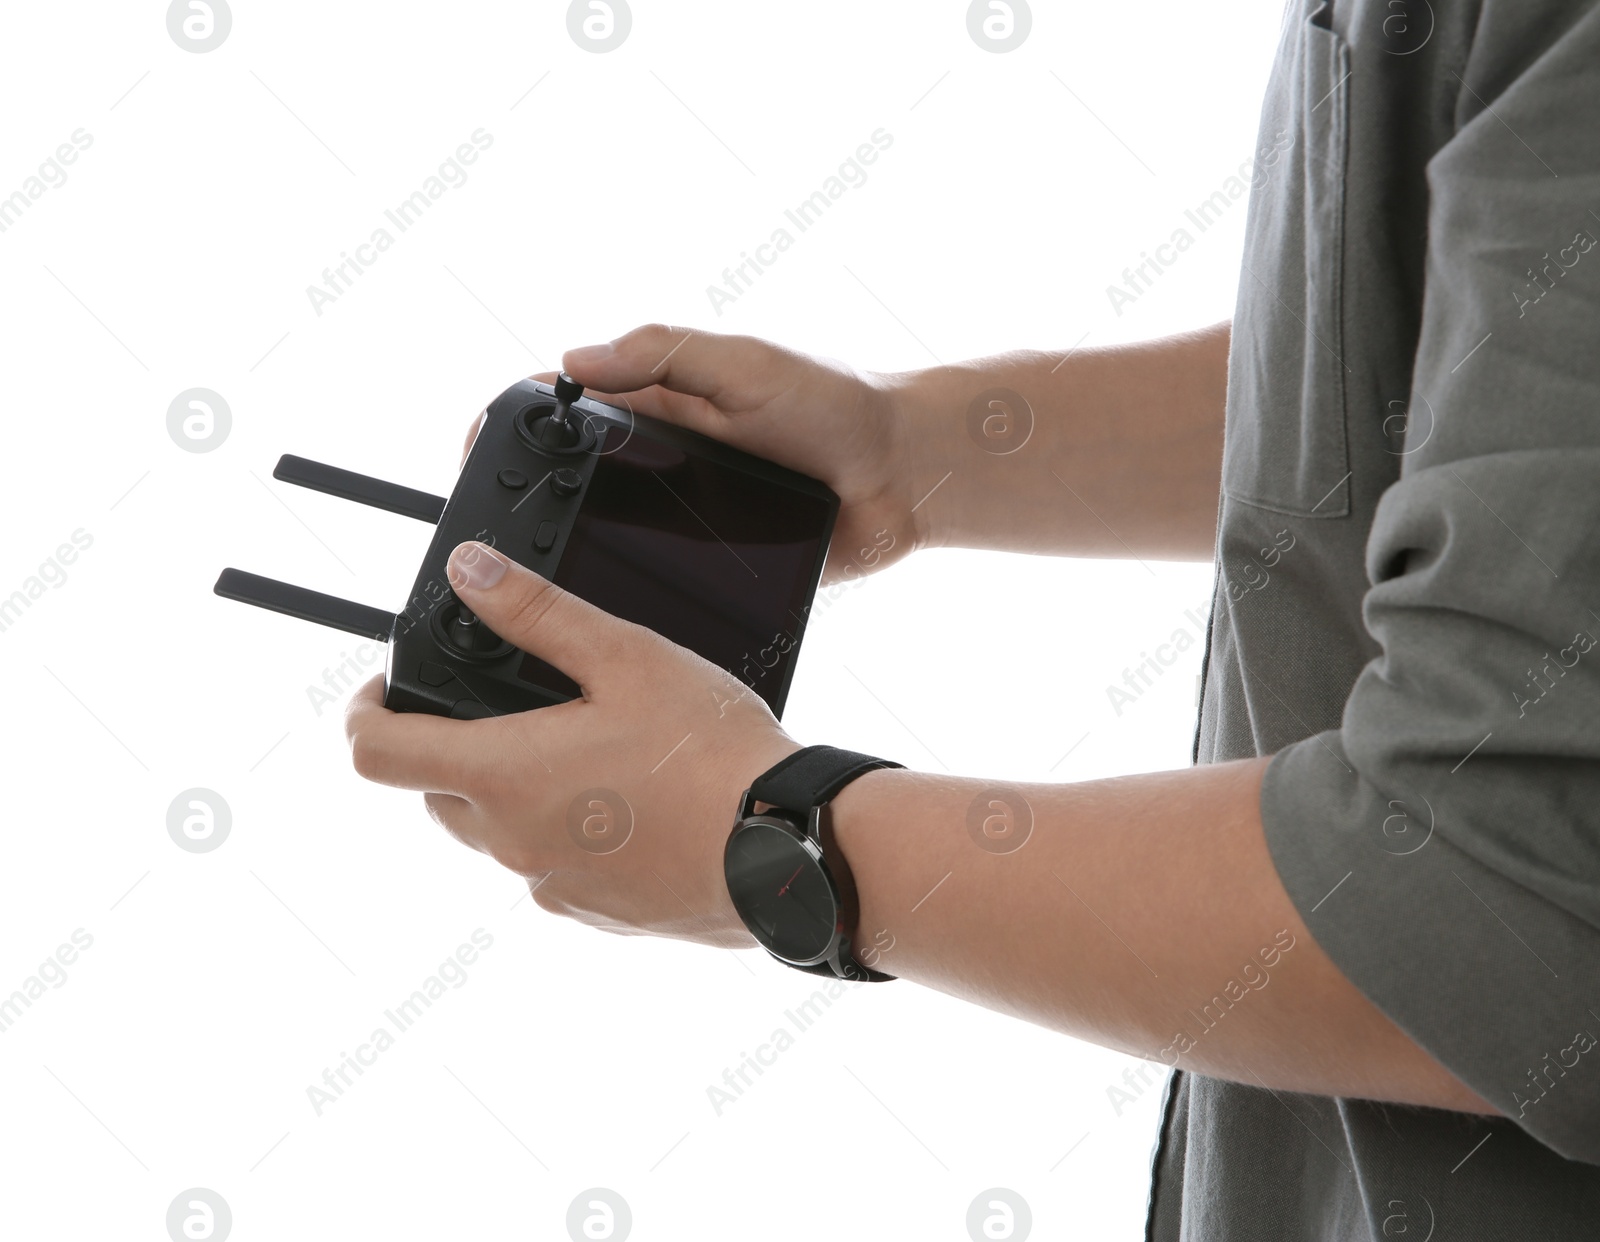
(1142,913)
(1123,457)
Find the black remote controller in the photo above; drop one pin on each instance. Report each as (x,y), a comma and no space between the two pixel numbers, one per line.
(713,548)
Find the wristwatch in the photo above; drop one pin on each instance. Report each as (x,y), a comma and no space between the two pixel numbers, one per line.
(788,880)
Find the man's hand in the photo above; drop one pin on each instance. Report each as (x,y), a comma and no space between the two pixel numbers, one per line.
(815,416)
(615,806)
(1106,452)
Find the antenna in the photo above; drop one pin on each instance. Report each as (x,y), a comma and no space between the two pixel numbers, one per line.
(294,601)
(361,488)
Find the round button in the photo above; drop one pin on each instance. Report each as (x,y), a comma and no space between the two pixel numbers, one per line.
(514,479)
(566,482)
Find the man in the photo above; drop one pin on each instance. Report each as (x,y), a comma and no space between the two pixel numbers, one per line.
(1371,911)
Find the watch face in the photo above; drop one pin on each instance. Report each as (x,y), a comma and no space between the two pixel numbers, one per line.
(781,891)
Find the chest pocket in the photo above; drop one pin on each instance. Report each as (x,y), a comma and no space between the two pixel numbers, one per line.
(1285,447)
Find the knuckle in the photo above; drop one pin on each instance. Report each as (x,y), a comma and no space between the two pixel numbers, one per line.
(531,607)
(366,756)
(520,857)
(656,342)
(364,708)
(354,716)
(649,334)
(437,810)
(544,896)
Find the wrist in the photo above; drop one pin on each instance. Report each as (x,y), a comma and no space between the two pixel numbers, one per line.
(787,878)
(914,409)
(865,814)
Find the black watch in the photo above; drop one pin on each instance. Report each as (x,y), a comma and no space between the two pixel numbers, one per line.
(788,881)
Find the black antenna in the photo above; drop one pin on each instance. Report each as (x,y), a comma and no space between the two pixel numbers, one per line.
(361,488)
(293,601)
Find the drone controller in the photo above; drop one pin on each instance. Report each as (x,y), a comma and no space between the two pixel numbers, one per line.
(714,549)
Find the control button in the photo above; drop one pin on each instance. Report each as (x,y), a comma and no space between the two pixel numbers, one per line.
(566,482)
(431,674)
(545,537)
(514,479)
(470,709)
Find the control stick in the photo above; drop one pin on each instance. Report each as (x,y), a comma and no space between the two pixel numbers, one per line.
(556,431)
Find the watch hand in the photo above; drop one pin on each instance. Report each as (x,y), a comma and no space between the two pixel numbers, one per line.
(790,880)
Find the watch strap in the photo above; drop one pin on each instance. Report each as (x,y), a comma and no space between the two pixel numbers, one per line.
(857,972)
(811,776)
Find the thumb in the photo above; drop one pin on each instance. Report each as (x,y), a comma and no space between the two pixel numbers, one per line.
(539,617)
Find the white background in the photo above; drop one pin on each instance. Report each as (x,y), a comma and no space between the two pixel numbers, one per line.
(177,254)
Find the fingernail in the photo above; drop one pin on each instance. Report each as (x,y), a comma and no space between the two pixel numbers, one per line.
(475,565)
(588,355)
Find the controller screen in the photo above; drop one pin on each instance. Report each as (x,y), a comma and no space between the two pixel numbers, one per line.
(715,559)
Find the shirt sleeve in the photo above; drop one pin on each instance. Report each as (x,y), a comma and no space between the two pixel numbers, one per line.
(1443,844)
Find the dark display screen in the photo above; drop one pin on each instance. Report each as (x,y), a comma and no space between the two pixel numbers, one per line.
(715,559)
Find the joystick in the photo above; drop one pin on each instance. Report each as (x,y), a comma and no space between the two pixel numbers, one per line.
(716,550)
(465,636)
(556,431)
(464,629)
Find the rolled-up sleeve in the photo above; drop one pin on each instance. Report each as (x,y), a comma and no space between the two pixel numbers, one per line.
(1443,844)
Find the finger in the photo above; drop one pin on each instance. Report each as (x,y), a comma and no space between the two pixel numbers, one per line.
(468,825)
(512,848)
(409,750)
(722,369)
(456,816)
(684,409)
(546,894)
(586,644)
